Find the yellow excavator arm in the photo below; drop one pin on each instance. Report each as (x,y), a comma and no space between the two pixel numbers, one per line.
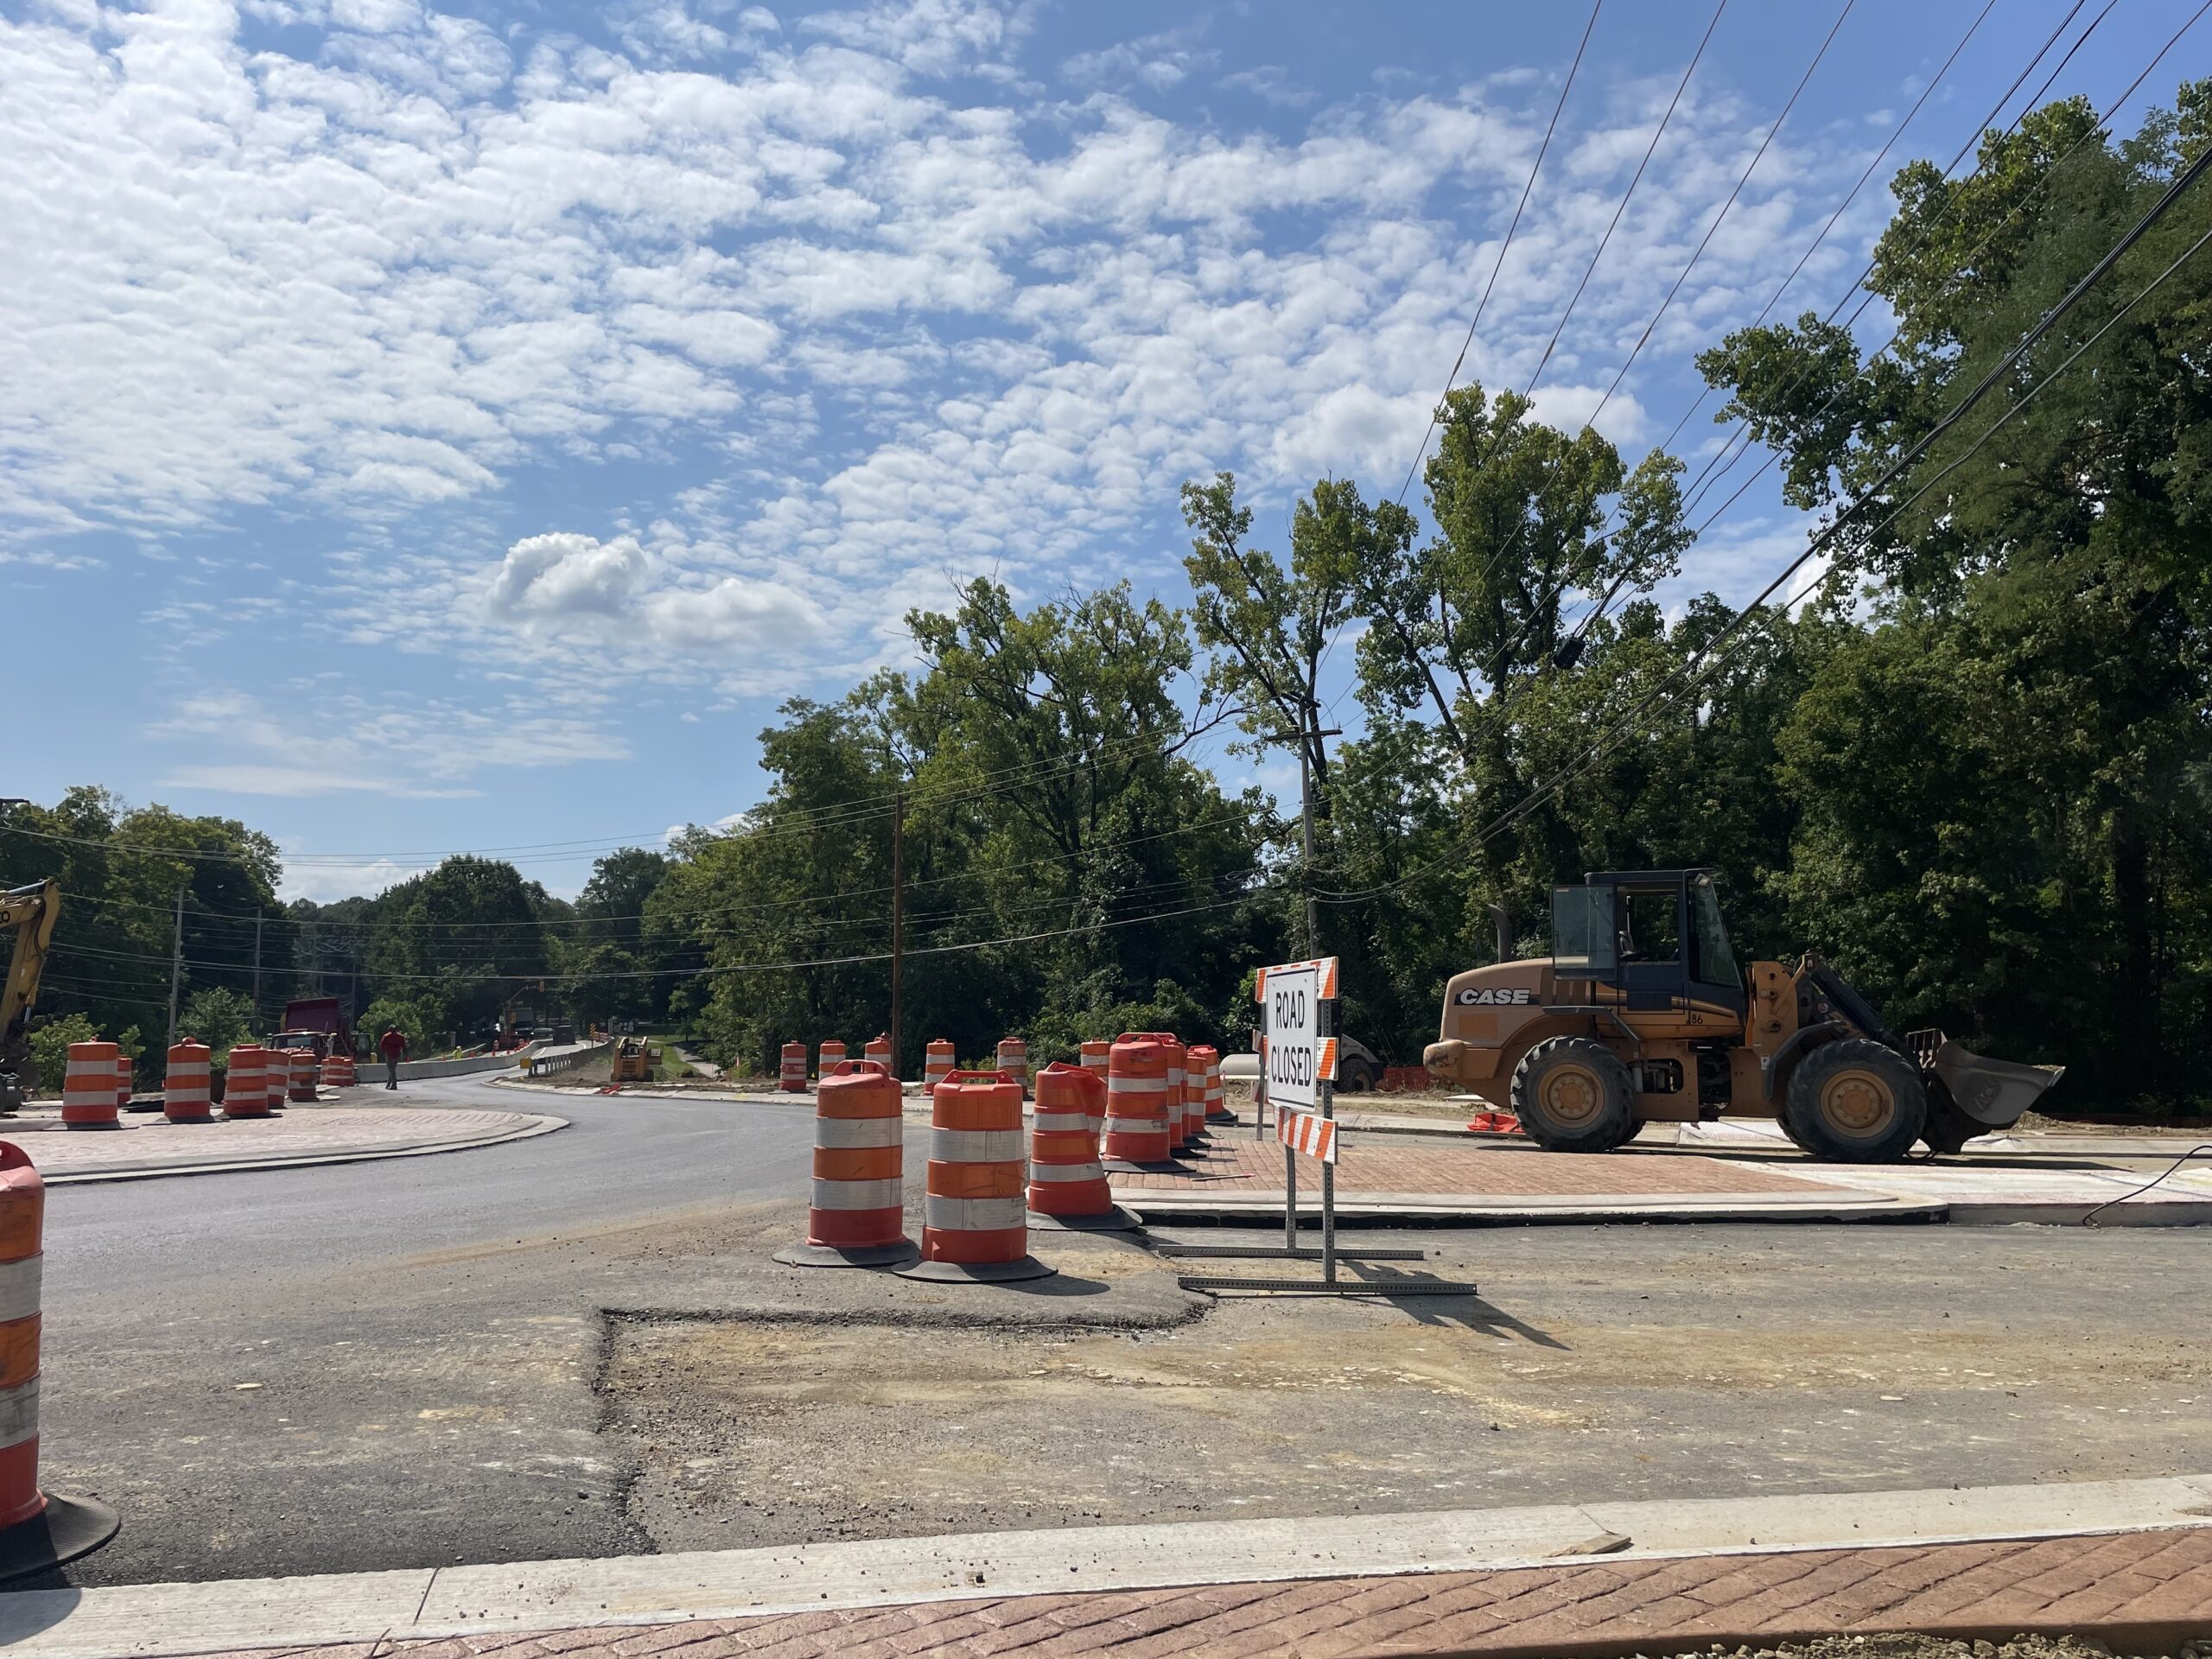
(31,912)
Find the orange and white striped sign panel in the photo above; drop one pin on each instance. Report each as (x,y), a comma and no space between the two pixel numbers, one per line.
(1324,969)
(1309,1133)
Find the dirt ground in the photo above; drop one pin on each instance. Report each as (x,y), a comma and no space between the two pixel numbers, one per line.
(1598,1363)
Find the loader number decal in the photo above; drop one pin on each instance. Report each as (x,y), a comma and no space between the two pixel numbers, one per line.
(1485,999)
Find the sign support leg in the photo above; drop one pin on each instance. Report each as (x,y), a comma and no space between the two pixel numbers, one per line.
(1289,1199)
(1324,1089)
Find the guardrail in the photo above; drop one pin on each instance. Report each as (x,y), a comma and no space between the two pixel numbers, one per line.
(546,1065)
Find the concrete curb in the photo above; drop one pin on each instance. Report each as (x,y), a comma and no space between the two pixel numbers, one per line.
(462,1601)
(533,1125)
(1168,1210)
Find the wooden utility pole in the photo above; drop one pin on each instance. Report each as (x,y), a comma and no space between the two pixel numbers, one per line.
(1305,828)
(898,914)
(257,969)
(176,968)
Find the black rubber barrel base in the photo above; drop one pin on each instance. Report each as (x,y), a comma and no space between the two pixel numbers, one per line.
(1115,1220)
(857,1255)
(978,1273)
(92,1126)
(1123,1166)
(67,1528)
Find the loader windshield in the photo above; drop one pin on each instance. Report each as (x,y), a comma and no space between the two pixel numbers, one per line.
(1713,962)
(1584,944)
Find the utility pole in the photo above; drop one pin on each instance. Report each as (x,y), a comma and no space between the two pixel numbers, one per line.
(257,969)
(898,913)
(176,968)
(1306,826)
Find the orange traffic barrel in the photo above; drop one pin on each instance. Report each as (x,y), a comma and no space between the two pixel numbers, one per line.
(185,1088)
(974,1226)
(792,1074)
(857,1214)
(124,1082)
(831,1056)
(1093,1055)
(937,1065)
(1179,1131)
(1205,1061)
(1014,1060)
(245,1087)
(303,1073)
(338,1071)
(1136,1103)
(37,1529)
(1067,1184)
(88,1088)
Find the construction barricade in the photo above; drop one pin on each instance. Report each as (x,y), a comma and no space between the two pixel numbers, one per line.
(937,1065)
(301,1068)
(1014,1060)
(857,1214)
(88,1088)
(1094,1058)
(828,1057)
(1136,1104)
(245,1086)
(185,1085)
(1067,1183)
(975,1225)
(792,1074)
(37,1529)
(338,1071)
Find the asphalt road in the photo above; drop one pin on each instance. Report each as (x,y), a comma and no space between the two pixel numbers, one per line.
(378,1364)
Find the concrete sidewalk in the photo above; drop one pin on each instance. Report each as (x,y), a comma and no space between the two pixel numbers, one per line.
(149,1146)
(2129,1562)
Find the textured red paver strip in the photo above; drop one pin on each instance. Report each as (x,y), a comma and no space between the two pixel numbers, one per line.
(1231,1165)
(304,1131)
(2152,1586)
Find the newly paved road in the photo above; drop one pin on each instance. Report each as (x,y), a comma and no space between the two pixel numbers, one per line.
(376,1364)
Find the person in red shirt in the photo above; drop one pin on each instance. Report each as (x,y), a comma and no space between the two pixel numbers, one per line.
(393,1046)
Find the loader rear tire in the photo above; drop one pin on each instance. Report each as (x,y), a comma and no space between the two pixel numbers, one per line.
(1573,1094)
(1855,1102)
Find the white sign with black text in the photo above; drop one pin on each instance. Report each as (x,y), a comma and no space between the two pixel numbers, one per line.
(1297,1057)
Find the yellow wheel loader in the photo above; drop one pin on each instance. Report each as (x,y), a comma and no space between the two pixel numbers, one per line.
(1641,1015)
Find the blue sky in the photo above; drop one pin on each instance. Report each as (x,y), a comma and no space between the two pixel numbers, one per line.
(457,427)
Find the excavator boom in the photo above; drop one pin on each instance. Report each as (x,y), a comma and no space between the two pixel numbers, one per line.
(31,912)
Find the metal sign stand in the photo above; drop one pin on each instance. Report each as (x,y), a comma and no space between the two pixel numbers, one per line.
(1324,1089)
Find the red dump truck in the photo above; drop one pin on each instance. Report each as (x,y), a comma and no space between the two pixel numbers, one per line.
(317,1022)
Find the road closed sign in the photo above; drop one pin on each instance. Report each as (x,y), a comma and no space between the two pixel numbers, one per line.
(1296,1057)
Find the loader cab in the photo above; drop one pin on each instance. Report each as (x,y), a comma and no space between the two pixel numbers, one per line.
(1655,935)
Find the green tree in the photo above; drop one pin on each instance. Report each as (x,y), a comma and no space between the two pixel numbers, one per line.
(50,1048)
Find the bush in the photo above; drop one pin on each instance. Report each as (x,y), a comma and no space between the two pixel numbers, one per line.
(50,1049)
(388,1011)
(221,1019)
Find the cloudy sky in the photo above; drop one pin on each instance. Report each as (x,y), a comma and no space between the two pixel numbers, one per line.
(429,427)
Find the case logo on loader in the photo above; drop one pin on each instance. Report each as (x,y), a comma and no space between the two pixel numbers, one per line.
(1486,998)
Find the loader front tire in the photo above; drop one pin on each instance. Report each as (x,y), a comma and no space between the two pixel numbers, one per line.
(1855,1102)
(1573,1094)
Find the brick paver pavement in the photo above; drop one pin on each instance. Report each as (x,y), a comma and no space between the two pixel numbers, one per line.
(1236,1162)
(305,1131)
(2135,1591)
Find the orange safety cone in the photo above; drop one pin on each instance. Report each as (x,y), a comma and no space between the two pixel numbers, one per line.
(88,1088)
(245,1087)
(1067,1184)
(1014,1060)
(857,1215)
(38,1529)
(184,1088)
(792,1074)
(974,1226)
(1201,1067)
(1494,1123)
(1136,1104)
(1094,1058)
(937,1064)
(830,1057)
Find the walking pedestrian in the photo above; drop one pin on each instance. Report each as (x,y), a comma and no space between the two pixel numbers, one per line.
(393,1046)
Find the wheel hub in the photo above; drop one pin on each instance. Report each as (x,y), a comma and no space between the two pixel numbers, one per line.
(1857,1103)
(1573,1094)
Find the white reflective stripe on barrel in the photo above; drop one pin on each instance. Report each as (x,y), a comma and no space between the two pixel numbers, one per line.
(1136,1085)
(858,1132)
(974,1215)
(18,1414)
(857,1195)
(975,1145)
(1089,1172)
(19,1282)
(192,1070)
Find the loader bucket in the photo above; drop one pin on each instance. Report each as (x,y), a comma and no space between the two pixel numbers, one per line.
(1993,1093)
